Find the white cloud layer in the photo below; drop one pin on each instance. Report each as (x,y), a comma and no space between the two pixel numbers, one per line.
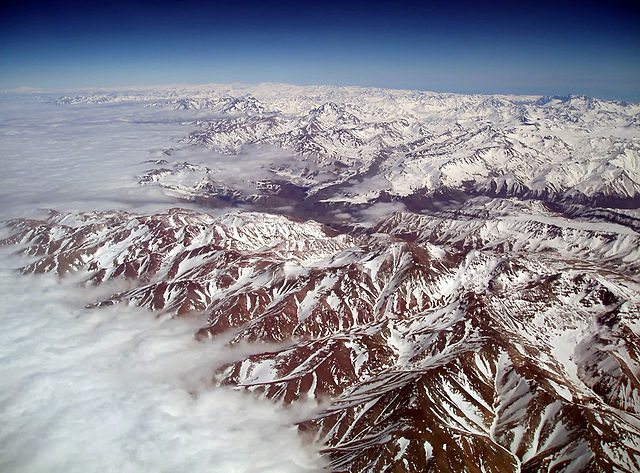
(118,390)
(83,157)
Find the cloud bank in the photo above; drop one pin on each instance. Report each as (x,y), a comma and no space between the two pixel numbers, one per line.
(116,389)
(83,157)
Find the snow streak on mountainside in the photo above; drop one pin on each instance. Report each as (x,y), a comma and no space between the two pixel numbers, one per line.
(454,276)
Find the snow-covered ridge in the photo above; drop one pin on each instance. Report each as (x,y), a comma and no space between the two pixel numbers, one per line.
(433,343)
(512,226)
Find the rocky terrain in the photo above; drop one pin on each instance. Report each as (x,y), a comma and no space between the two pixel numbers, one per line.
(454,277)
(501,343)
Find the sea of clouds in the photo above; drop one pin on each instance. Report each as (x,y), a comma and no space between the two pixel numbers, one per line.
(82,157)
(112,389)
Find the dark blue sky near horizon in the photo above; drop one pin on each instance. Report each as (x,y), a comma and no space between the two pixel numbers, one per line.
(543,47)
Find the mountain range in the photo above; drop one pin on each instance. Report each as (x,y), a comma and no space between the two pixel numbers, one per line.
(453,277)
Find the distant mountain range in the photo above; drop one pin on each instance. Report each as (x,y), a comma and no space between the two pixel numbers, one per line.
(354,145)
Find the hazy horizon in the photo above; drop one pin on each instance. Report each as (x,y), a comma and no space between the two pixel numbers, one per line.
(141,87)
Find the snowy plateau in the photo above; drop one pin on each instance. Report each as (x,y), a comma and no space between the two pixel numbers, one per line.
(452,281)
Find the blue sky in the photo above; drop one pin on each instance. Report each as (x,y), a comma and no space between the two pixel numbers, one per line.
(539,47)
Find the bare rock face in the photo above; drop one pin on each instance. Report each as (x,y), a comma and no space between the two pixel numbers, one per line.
(480,341)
